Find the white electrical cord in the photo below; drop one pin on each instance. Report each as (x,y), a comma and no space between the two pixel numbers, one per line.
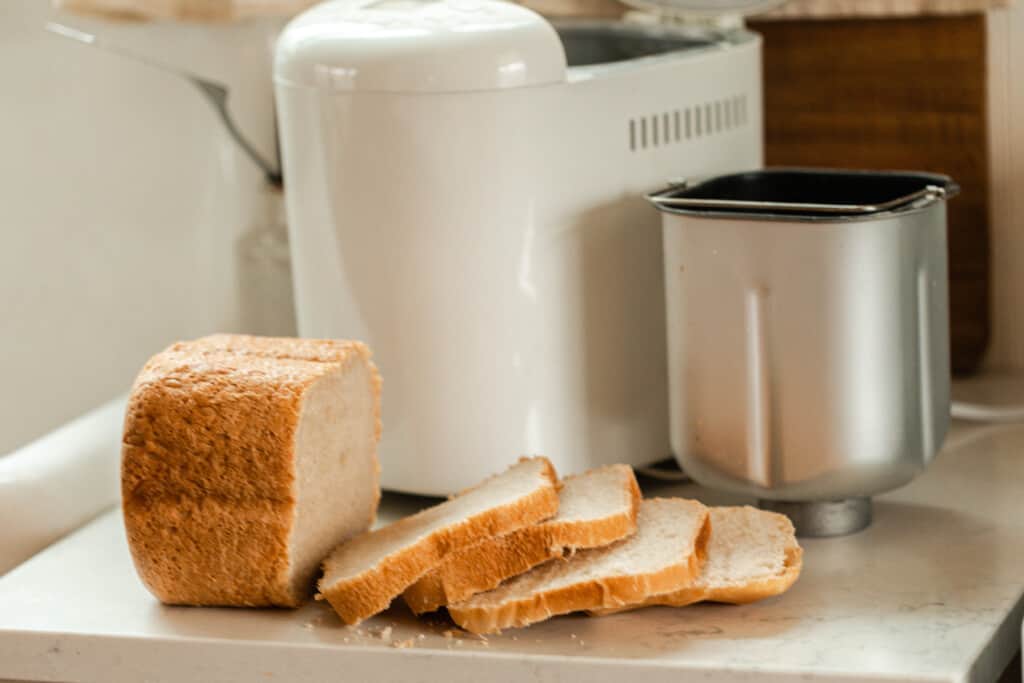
(58,482)
(976,412)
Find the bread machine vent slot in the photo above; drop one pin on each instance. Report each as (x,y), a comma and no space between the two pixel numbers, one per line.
(686,123)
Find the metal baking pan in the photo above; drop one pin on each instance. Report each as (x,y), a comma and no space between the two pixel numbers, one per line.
(807,318)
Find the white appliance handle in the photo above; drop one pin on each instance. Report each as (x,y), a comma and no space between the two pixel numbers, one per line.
(55,484)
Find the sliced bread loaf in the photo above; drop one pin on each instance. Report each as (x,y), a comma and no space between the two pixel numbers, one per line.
(595,508)
(363,575)
(752,554)
(244,461)
(664,555)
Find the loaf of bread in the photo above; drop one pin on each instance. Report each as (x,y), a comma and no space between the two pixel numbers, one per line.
(595,508)
(245,461)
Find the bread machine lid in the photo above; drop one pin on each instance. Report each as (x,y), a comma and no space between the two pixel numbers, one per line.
(722,11)
(419,46)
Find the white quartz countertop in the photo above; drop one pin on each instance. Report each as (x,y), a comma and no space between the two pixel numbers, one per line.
(932,591)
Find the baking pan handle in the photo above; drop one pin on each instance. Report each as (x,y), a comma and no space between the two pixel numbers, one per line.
(674,185)
(927,194)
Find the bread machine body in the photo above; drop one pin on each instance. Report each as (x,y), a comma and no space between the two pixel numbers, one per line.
(471,205)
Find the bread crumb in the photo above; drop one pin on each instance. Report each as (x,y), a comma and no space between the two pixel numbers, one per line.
(385,633)
(449,634)
(402,644)
(421,636)
(573,636)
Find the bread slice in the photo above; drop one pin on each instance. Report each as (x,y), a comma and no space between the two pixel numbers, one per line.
(664,555)
(595,508)
(363,575)
(752,554)
(244,461)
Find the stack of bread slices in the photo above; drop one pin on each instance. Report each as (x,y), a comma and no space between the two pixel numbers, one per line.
(597,546)
(247,461)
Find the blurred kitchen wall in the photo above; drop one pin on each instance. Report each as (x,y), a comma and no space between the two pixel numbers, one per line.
(121,205)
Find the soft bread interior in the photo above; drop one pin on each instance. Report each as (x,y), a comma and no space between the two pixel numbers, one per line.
(596,494)
(746,545)
(336,487)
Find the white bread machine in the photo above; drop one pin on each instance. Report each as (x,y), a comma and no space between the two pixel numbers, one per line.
(465,186)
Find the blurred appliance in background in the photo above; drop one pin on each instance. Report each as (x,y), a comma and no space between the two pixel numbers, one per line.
(244,107)
(465,192)
(265,272)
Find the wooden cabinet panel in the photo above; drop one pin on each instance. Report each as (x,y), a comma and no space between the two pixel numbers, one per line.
(894,94)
